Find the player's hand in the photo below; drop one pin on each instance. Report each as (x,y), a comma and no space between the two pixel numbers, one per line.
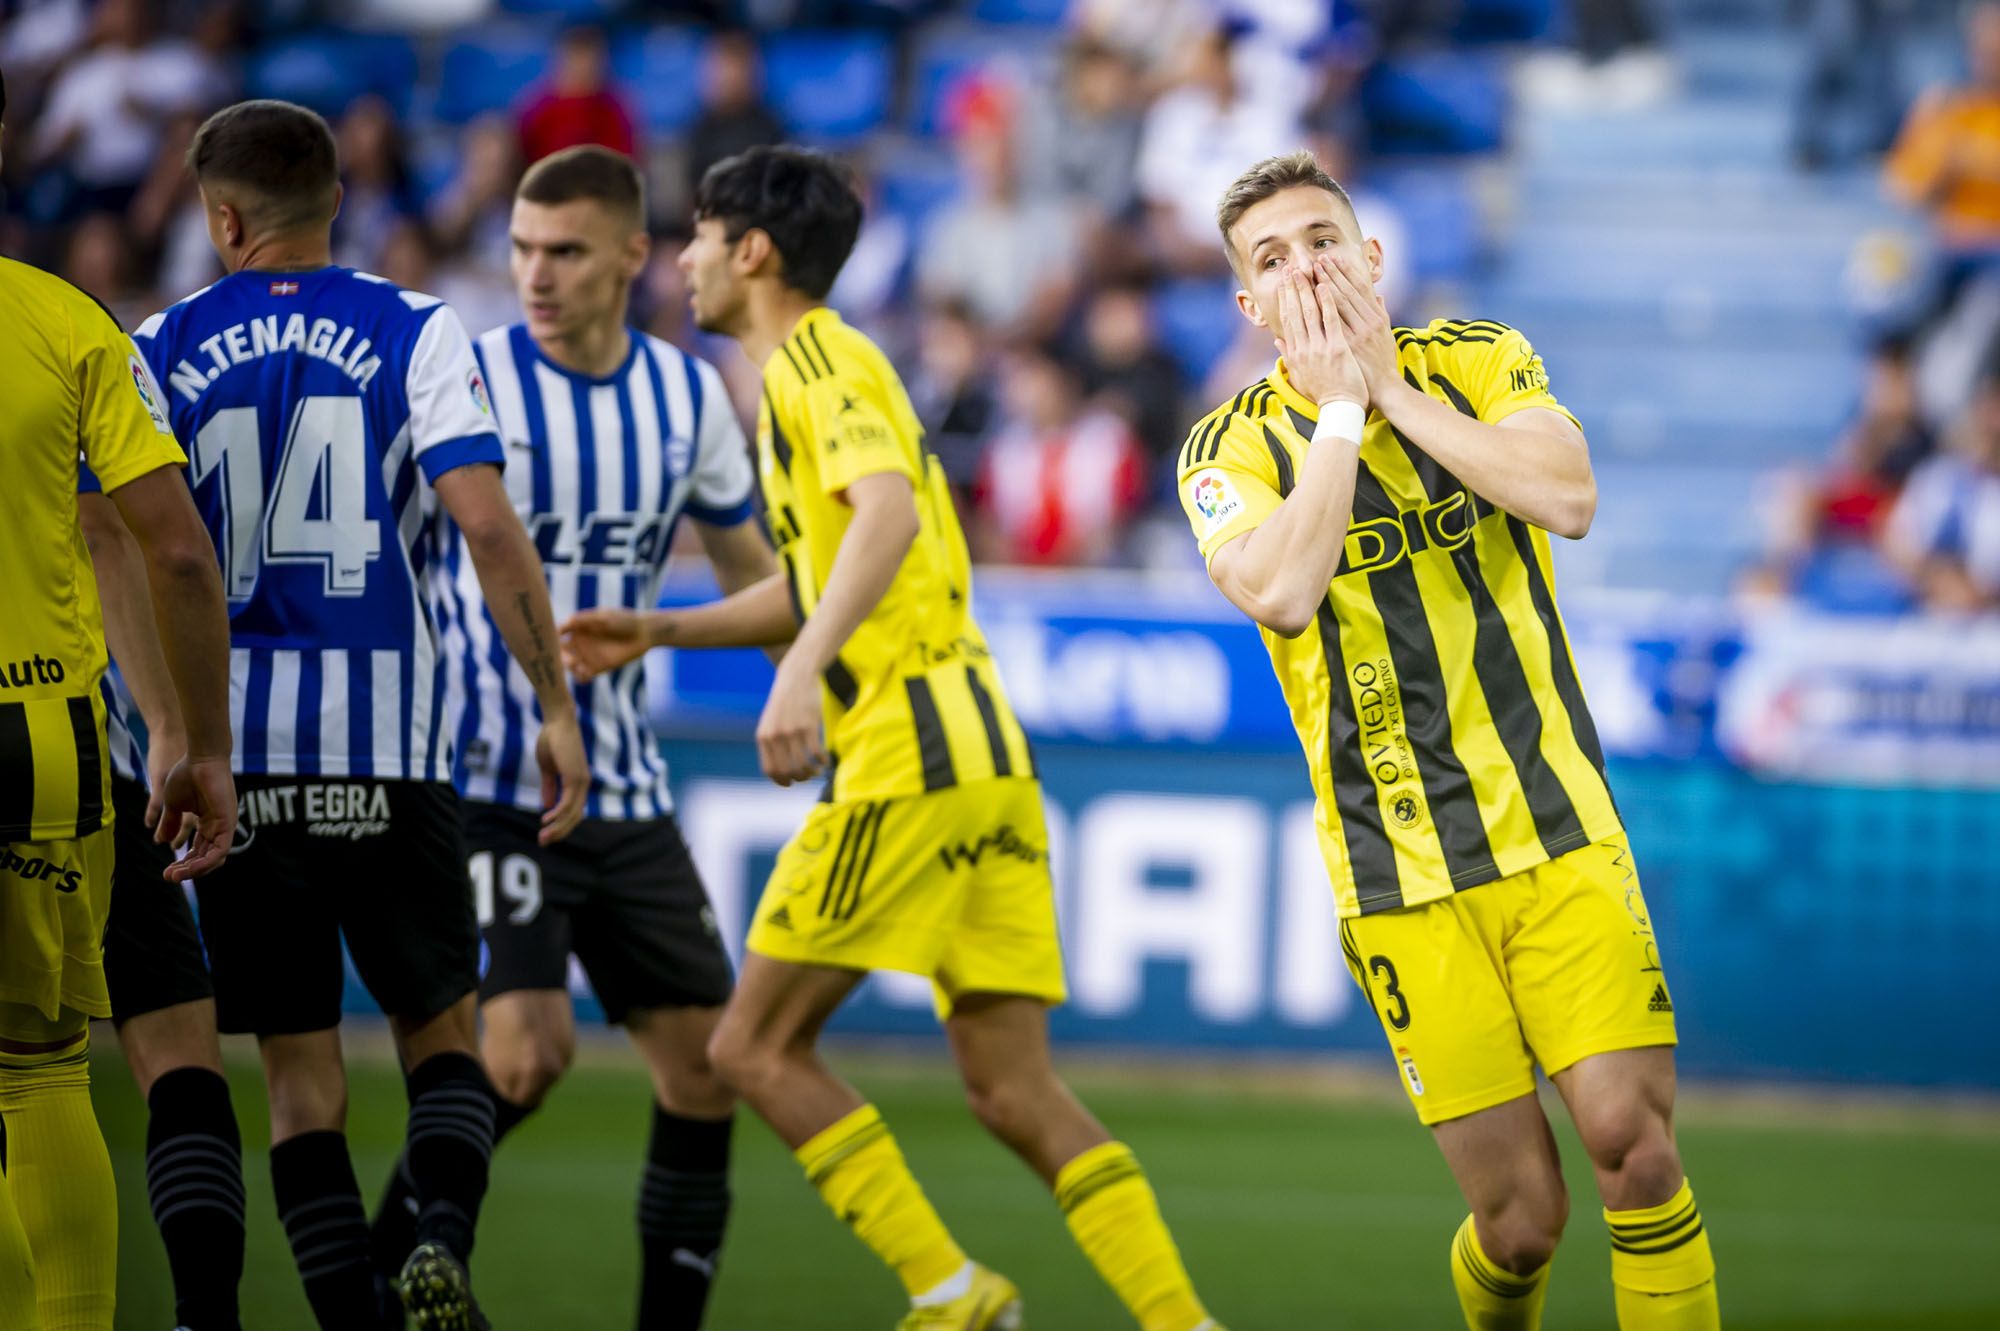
(565,776)
(201,791)
(1364,320)
(596,642)
(788,733)
(1317,358)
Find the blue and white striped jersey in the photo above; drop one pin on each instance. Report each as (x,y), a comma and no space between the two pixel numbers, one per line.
(600,470)
(315,407)
(128,755)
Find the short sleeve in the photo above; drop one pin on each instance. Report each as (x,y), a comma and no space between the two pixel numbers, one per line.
(451,412)
(720,491)
(1498,373)
(854,435)
(124,425)
(1228,482)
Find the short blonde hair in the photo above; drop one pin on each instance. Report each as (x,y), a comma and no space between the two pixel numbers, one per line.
(1273,175)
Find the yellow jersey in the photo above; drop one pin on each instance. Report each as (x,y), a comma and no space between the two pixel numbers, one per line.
(73,385)
(1436,695)
(913,702)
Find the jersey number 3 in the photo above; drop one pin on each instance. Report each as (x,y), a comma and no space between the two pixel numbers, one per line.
(315,513)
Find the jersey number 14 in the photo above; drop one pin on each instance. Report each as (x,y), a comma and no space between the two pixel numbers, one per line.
(315,513)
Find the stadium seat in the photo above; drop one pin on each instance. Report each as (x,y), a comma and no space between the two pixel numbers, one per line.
(1436,102)
(661,68)
(489,72)
(1195,322)
(946,56)
(327,69)
(1042,13)
(1437,206)
(831,87)
(1502,20)
(570,9)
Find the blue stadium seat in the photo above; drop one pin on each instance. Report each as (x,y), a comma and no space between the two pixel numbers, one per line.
(327,69)
(1041,13)
(831,87)
(1437,102)
(489,72)
(1503,20)
(662,69)
(570,9)
(1195,322)
(1440,217)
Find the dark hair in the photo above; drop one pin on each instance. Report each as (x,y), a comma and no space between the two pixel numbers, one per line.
(1272,176)
(587,172)
(281,153)
(803,200)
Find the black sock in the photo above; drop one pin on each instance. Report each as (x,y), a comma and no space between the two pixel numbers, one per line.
(194,1178)
(394,1230)
(449,1147)
(320,1205)
(683,1208)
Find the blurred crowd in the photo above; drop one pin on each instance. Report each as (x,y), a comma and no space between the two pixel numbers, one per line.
(1905,513)
(1025,297)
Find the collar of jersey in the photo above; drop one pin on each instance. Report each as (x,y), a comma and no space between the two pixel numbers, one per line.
(1281,382)
(818,313)
(633,338)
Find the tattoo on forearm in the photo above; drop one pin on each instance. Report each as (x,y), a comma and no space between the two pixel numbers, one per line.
(541,666)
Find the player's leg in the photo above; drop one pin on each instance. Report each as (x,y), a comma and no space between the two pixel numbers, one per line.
(58,1172)
(1592,995)
(1002,1047)
(1435,976)
(17,1260)
(270,924)
(646,936)
(162,1003)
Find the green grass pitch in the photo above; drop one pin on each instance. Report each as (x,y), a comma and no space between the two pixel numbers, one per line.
(1296,1210)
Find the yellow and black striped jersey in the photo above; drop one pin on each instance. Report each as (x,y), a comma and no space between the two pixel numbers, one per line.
(1436,695)
(913,702)
(73,385)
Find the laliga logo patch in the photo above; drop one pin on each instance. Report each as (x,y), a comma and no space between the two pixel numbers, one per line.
(143,381)
(1215,500)
(477,387)
(1409,1065)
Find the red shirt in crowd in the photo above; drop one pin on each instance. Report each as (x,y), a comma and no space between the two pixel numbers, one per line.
(553,121)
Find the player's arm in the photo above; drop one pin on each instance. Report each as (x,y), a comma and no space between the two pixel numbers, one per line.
(1531,461)
(1277,572)
(134,641)
(517,595)
(185,583)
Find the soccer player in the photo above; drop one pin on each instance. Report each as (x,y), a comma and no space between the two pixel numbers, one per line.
(162,1002)
(1380,504)
(619,435)
(928,853)
(329,414)
(71,379)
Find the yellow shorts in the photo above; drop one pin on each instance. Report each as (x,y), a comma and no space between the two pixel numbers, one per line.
(951,884)
(54,899)
(1550,965)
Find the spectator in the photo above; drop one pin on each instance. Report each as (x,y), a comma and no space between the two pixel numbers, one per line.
(1944,531)
(470,216)
(99,133)
(1082,143)
(1012,259)
(377,194)
(578,104)
(734,114)
(1827,531)
(1849,81)
(1153,37)
(952,391)
(1125,370)
(1060,481)
(871,282)
(1197,140)
(1947,159)
(97,260)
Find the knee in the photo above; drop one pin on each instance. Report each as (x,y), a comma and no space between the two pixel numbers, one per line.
(1521,1237)
(742,1063)
(1634,1153)
(524,1071)
(307,1104)
(1008,1107)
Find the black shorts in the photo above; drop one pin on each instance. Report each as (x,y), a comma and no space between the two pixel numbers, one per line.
(152,952)
(318,858)
(623,896)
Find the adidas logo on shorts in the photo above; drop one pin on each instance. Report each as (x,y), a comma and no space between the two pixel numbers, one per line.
(781,918)
(1660,1003)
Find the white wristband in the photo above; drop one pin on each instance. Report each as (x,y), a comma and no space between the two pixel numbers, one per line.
(1341,420)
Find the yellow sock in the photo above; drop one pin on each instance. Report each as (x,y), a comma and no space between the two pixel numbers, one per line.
(1494,1298)
(1662,1270)
(1116,1221)
(860,1173)
(60,1177)
(17,1267)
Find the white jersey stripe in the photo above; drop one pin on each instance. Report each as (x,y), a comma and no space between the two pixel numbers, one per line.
(335,701)
(239,697)
(386,687)
(286,708)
